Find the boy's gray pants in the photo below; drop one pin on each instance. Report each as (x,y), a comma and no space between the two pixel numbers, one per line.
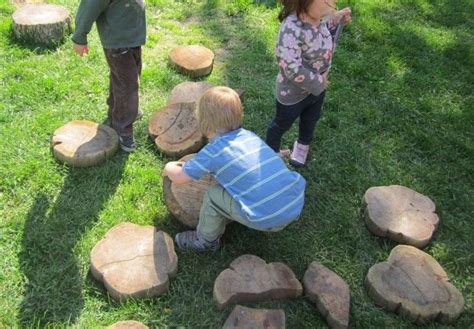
(217,210)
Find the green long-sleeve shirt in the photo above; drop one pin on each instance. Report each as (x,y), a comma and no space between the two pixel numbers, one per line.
(121,23)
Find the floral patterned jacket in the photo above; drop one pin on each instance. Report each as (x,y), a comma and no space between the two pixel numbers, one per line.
(304,54)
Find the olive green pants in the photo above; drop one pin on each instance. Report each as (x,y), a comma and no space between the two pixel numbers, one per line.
(217,210)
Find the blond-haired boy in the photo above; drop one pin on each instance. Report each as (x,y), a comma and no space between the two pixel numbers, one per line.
(255,187)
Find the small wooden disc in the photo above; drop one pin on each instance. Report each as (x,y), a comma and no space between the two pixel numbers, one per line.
(41,24)
(83,143)
(196,61)
(175,130)
(184,200)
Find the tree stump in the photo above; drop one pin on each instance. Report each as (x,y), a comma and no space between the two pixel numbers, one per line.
(41,25)
(83,143)
(401,214)
(134,261)
(413,284)
(330,293)
(250,279)
(175,130)
(195,61)
(246,318)
(184,200)
(188,92)
(128,325)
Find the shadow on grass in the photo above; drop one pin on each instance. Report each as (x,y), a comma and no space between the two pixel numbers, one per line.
(54,281)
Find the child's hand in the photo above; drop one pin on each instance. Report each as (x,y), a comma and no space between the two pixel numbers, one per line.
(174,171)
(170,165)
(81,50)
(344,16)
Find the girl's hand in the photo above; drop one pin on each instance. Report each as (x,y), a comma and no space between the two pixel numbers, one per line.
(343,16)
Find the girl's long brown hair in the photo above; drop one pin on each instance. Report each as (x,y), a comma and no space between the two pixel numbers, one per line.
(293,6)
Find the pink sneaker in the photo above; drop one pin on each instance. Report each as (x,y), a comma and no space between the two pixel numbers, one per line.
(299,154)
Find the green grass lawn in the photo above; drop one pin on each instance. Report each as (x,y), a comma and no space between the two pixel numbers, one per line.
(399,110)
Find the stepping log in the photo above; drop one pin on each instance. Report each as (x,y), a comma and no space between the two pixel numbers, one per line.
(188,92)
(401,214)
(249,318)
(84,143)
(175,130)
(195,61)
(134,261)
(329,292)
(184,200)
(413,284)
(128,325)
(43,25)
(250,279)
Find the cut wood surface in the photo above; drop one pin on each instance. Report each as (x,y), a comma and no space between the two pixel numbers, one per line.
(400,214)
(188,92)
(250,279)
(184,200)
(41,24)
(82,143)
(134,261)
(251,318)
(175,130)
(413,284)
(195,61)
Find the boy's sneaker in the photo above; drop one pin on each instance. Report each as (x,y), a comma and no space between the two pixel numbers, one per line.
(299,154)
(127,143)
(190,240)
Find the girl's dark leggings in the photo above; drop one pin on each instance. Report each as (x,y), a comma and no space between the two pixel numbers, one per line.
(308,111)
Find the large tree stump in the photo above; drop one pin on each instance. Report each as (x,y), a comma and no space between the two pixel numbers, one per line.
(83,143)
(184,200)
(413,284)
(175,130)
(195,61)
(41,25)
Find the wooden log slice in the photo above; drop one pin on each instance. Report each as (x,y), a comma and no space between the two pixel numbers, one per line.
(41,24)
(83,143)
(175,130)
(400,214)
(188,92)
(195,61)
(246,318)
(414,285)
(184,200)
(128,325)
(134,261)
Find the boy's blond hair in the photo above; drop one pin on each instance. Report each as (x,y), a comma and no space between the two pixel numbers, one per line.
(219,110)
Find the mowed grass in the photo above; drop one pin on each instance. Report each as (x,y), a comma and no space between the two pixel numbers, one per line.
(399,110)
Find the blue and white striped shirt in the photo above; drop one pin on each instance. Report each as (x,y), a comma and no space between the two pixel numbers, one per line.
(269,194)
